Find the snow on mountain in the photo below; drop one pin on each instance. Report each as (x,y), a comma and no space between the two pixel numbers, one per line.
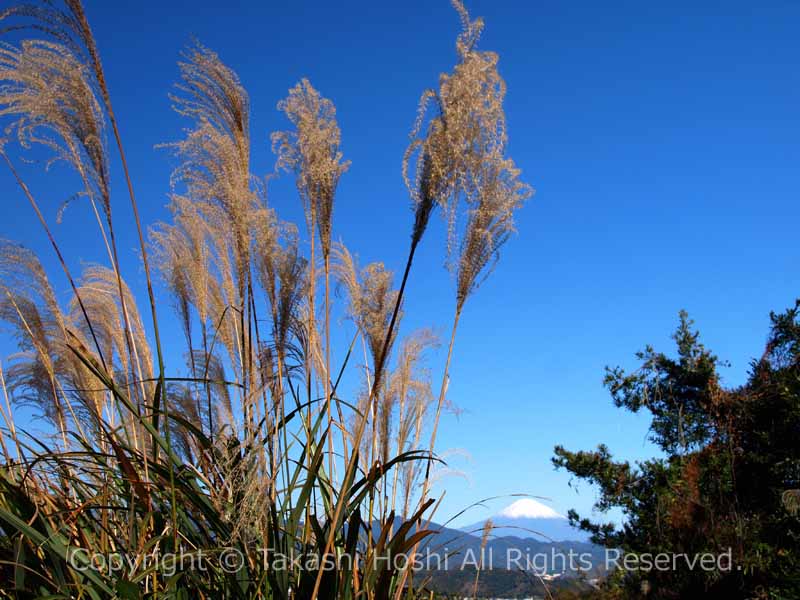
(529,518)
(528,508)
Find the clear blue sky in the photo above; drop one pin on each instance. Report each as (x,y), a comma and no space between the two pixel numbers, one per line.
(663,140)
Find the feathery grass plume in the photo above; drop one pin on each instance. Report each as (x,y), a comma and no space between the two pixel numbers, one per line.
(98,286)
(375,303)
(118,326)
(215,155)
(194,232)
(468,122)
(70,27)
(172,251)
(67,26)
(204,404)
(410,384)
(223,319)
(371,298)
(457,157)
(371,305)
(46,373)
(213,374)
(182,255)
(28,304)
(283,273)
(311,151)
(218,184)
(8,421)
(490,222)
(488,526)
(48,94)
(308,352)
(45,17)
(183,402)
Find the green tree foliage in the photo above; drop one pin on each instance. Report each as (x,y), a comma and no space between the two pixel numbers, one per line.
(728,477)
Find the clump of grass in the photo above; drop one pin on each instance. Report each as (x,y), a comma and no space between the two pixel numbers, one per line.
(233,447)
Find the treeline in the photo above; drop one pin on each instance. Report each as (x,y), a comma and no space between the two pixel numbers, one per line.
(728,479)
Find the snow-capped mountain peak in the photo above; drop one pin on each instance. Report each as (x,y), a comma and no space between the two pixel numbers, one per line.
(528,508)
(527,518)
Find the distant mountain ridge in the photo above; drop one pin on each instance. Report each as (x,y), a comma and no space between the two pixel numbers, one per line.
(529,518)
(512,566)
(512,544)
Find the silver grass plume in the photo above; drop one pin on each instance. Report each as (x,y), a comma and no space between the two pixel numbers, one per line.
(215,154)
(450,146)
(371,298)
(312,152)
(48,94)
(284,276)
(99,289)
(410,386)
(490,222)
(28,304)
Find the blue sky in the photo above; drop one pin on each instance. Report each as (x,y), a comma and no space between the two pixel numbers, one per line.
(663,140)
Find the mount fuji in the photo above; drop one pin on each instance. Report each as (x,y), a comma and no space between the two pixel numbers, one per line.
(528,518)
